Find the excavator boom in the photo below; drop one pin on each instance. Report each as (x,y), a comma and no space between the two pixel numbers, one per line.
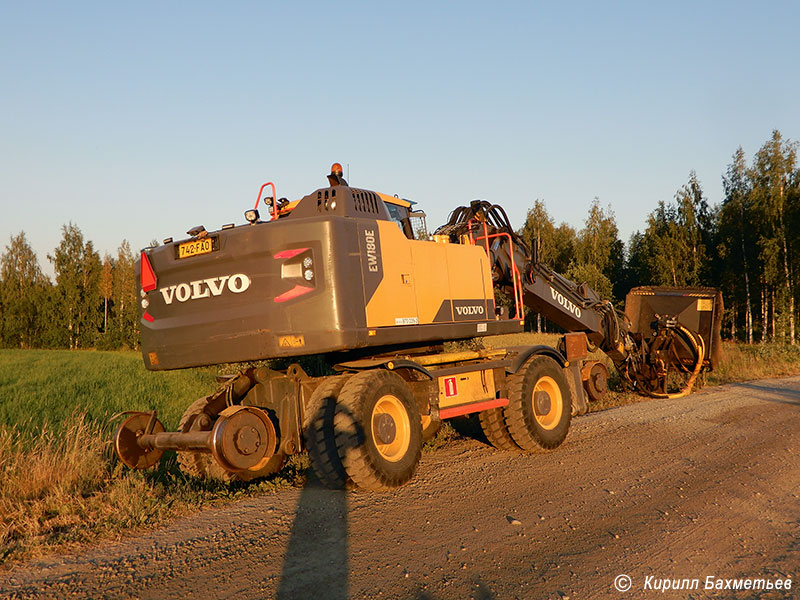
(643,355)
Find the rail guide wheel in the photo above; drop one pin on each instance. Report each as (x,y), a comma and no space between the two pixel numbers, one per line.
(243,439)
(126,440)
(595,380)
(230,443)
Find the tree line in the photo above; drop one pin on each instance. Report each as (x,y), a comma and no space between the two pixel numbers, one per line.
(747,246)
(93,302)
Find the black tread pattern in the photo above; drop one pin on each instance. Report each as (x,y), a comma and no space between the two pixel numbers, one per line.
(354,402)
(519,416)
(493,424)
(197,464)
(319,434)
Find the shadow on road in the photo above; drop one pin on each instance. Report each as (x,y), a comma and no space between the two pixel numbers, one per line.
(316,562)
(315,565)
(792,396)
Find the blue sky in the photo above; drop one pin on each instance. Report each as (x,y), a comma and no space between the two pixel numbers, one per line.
(141,120)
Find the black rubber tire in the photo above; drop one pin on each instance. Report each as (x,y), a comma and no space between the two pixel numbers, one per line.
(528,428)
(355,440)
(202,465)
(197,464)
(320,436)
(493,424)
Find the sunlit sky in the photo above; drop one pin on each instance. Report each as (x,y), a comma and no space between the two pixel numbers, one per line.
(140,120)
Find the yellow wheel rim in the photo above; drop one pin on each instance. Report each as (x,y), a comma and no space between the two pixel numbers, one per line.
(426,421)
(548,419)
(391,429)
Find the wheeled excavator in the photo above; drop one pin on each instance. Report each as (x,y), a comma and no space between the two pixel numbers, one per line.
(352,276)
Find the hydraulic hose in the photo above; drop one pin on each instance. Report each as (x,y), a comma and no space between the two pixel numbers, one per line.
(698,346)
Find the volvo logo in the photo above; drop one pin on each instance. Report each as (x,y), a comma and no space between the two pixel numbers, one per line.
(566,303)
(205,288)
(469,310)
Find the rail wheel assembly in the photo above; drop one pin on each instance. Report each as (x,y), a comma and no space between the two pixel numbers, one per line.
(243,441)
(126,440)
(595,380)
(378,430)
(539,412)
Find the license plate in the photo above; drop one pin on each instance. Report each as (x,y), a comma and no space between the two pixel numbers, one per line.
(196,247)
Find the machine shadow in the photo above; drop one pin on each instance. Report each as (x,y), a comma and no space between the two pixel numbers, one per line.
(316,560)
(792,396)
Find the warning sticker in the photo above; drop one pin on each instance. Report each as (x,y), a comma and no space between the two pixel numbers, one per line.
(291,341)
(705,304)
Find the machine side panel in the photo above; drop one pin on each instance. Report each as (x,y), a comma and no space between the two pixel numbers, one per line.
(393,301)
(432,287)
(424,282)
(465,294)
(471,289)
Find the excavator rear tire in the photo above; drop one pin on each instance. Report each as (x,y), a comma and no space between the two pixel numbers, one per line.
(493,424)
(539,408)
(320,435)
(378,430)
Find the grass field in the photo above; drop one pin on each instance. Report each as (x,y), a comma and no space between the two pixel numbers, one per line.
(47,386)
(60,484)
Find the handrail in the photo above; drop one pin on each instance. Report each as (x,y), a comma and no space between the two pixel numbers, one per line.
(274,208)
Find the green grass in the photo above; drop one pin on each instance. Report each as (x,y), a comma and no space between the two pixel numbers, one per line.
(740,362)
(38,386)
(60,484)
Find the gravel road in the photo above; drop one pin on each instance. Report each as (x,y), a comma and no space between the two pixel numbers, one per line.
(707,485)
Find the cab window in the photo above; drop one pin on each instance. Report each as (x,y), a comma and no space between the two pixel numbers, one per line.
(399,215)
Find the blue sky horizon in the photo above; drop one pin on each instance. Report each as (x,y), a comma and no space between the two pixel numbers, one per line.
(140,121)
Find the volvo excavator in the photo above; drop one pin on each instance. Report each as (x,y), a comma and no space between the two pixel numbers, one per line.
(352,276)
